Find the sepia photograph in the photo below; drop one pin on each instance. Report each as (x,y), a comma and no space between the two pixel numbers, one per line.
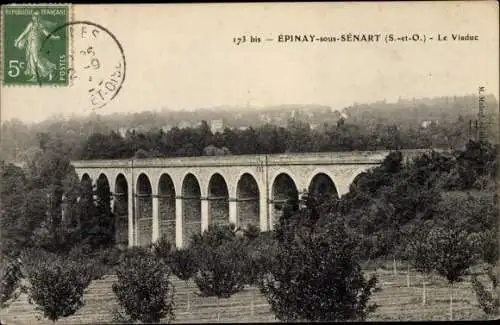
(249,162)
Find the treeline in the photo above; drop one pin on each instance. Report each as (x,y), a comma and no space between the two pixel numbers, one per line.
(270,139)
(407,124)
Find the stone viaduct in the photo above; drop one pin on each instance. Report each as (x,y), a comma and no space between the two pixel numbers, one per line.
(176,197)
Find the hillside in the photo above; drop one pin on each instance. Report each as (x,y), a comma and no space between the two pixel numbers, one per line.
(19,140)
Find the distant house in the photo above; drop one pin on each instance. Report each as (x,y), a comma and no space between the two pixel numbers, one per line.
(184,124)
(309,114)
(122,131)
(426,124)
(265,118)
(216,126)
(166,128)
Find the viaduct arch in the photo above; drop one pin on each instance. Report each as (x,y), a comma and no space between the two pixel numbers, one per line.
(178,197)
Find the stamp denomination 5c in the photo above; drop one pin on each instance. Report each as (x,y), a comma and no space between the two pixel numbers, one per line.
(34,47)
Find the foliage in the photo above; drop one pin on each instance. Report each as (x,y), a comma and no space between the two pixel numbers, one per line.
(162,249)
(106,260)
(446,250)
(386,204)
(222,260)
(14,226)
(183,263)
(88,214)
(56,285)
(33,201)
(104,215)
(488,301)
(262,251)
(9,278)
(119,316)
(49,172)
(85,256)
(476,161)
(143,288)
(96,218)
(475,212)
(222,270)
(316,276)
(251,232)
(52,190)
(214,236)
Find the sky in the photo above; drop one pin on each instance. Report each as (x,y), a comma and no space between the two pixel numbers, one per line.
(183,56)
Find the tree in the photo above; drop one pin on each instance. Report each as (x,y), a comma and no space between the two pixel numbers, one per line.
(105,217)
(96,218)
(477,213)
(89,227)
(56,285)
(15,230)
(477,160)
(162,249)
(446,250)
(221,257)
(262,251)
(52,173)
(143,288)
(417,251)
(315,276)
(10,274)
(299,139)
(222,261)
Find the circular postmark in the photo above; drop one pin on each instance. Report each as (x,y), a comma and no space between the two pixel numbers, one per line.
(96,63)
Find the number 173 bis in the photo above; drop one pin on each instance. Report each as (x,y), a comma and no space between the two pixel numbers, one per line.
(243,39)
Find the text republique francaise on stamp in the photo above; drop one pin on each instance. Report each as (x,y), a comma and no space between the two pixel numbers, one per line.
(34,46)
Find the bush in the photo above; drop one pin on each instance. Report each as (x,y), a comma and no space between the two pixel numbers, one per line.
(222,269)
(488,301)
(252,232)
(56,285)
(162,249)
(99,262)
(9,279)
(183,264)
(214,236)
(108,259)
(262,256)
(222,259)
(143,288)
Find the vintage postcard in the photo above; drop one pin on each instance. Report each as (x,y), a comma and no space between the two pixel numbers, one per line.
(249,162)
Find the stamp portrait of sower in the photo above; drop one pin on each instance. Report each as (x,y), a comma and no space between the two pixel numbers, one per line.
(31,40)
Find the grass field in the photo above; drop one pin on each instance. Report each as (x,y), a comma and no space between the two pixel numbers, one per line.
(396,302)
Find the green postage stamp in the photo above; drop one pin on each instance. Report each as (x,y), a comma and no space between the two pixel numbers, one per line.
(35,45)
